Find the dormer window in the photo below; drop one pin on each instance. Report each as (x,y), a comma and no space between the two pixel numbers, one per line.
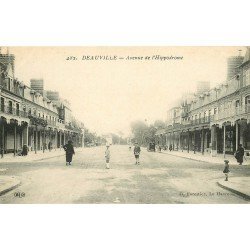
(237,103)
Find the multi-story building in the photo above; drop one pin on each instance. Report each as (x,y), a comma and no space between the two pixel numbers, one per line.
(28,117)
(216,121)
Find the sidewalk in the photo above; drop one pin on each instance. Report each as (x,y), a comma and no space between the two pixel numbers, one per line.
(8,183)
(219,159)
(35,157)
(237,185)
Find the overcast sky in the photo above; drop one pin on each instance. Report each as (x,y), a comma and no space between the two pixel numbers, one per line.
(108,95)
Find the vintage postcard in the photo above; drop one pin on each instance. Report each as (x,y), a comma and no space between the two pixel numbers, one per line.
(125,125)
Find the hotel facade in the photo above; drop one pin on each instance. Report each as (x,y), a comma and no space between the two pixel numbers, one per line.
(29,117)
(215,121)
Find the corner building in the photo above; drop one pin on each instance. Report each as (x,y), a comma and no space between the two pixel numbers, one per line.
(29,117)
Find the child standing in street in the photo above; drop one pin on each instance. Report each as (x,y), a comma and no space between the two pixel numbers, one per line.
(226,169)
(107,156)
(137,151)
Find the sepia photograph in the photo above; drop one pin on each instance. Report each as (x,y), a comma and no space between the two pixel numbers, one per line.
(125,125)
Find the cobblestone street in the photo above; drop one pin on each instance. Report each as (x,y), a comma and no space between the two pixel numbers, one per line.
(161,178)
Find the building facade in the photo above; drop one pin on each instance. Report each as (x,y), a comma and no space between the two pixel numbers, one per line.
(27,117)
(215,121)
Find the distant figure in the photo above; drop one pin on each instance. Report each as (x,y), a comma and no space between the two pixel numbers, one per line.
(226,169)
(170,147)
(25,150)
(137,151)
(239,154)
(50,145)
(69,149)
(107,156)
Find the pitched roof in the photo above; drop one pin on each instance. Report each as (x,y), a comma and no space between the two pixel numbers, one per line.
(9,71)
(247,56)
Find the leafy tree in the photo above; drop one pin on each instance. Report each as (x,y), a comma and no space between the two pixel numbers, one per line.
(140,131)
(159,124)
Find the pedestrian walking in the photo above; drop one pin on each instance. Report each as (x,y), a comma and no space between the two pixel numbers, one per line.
(69,149)
(226,169)
(137,151)
(107,156)
(50,145)
(170,147)
(239,154)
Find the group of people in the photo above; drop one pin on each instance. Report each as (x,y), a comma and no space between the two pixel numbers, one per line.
(137,151)
(69,149)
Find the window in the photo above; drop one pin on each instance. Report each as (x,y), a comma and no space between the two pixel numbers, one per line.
(2,104)
(237,103)
(215,111)
(17,109)
(247,103)
(10,107)
(247,100)
(246,77)
(8,84)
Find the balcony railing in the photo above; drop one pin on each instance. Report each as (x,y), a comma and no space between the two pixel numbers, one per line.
(13,111)
(21,113)
(227,113)
(202,120)
(233,112)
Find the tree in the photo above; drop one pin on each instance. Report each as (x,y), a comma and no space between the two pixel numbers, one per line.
(91,138)
(139,130)
(159,124)
(150,134)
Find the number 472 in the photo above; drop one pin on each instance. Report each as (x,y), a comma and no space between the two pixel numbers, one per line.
(71,58)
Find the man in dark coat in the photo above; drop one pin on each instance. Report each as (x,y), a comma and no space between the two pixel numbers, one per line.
(240,154)
(69,149)
(50,145)
(25,150)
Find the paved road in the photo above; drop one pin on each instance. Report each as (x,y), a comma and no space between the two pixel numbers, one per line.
(160,178)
